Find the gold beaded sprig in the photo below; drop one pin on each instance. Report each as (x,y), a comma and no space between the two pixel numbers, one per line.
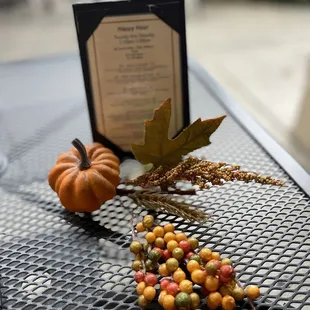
(200,172)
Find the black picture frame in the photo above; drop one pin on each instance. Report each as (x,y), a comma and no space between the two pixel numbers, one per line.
(87,17)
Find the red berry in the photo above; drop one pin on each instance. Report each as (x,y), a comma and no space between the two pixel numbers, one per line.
(223,279)
(172,288)
(167,254)
(204,291)
(188,255)
(139,276)
(227,271)
(217,263)
(164,283)
(150,279)
(160,251)
(185,246)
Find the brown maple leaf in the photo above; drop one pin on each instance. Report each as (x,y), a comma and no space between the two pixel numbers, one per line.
(159,150)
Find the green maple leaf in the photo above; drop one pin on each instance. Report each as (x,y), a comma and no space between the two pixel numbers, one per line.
(159,150)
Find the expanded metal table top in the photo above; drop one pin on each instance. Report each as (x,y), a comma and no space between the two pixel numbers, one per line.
(51,259)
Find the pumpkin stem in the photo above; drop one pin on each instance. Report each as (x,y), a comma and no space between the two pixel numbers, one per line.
(85,162)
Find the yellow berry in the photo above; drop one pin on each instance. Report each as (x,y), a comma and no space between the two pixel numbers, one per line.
(228,303)
(148,221)
(205,254)
(179,276)
(158,231)
(169,228)
(180,236)
(136,265)
(253,292)
(224,290)
(159,242)
(140,288)
(161,297)
(171,245)
(212,283)
(149,293)
(198,276)
(168,302)
(163,271)
(142,301)
(150,237)
(135,247)
(172,264)
(195,300)
(186,286)
(169,236)
(226,261)
(192,265)
(216,256)
(214,300)
(140,227)
(237,293)
(194,243)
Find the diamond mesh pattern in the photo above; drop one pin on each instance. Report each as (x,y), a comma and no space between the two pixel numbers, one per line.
(50,259)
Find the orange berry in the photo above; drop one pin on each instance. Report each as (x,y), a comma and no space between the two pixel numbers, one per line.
(161,297)
(180,236)
(158,231)
(253,292)
(169,228)
(186,286)
(150,237)
(192,265)
(212,283)
(205,254)
(228,303)
(216,256)
(171,245)
(214,300)
(149,293)
(168,302)
(163,271)
(169,236)
(140,227)
(198,276)
(179,276)
(140,288)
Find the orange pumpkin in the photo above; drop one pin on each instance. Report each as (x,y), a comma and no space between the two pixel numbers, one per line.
(84,178)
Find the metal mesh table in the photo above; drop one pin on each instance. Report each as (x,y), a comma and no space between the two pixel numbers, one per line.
(51,259)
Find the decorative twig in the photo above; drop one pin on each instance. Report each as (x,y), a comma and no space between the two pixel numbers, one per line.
(126,192)
(200,172)
(157,202)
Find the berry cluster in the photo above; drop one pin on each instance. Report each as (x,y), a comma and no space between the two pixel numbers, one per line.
(175,258)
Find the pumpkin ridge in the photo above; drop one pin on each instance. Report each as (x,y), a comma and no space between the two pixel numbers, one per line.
(108,173)
(67,157)
(105,191)
(57,171)
(109,163)
(63,176)
(66,189)
(101,151)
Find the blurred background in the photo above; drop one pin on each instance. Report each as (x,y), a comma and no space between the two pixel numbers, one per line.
(259,51)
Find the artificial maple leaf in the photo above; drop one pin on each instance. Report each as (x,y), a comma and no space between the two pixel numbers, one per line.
(159,150)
